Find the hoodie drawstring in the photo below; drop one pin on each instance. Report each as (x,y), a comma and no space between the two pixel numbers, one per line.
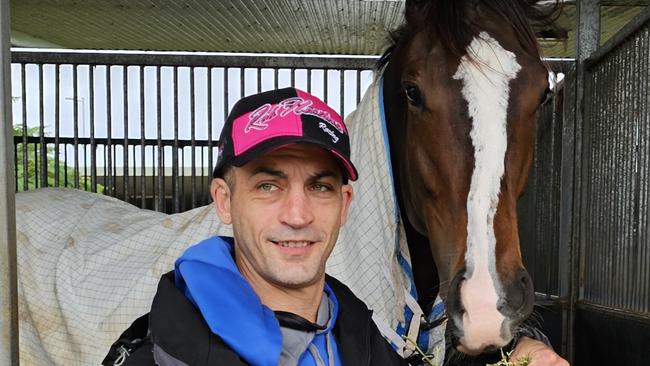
(330,353)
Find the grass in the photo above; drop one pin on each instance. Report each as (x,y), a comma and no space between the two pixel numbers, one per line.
(506,361)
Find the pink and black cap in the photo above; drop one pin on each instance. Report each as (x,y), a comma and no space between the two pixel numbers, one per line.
(260,123)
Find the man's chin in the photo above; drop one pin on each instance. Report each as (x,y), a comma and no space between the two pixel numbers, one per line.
(296,279)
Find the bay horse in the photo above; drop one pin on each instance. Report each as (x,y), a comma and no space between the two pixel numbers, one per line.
(462,85)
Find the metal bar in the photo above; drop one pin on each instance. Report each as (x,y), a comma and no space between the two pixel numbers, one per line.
(109,132)
(65,166)
(205,171)
(35,166)
(193,134)
(57,123)
(633,184)
(100,141)
(125,151)
(209,90)
(161,174)
(182,176)
(16,143)
(91,123)
(24,126)
(276,76)
(154,188)
(325,85)
(632,255)
(620,37)
(41,130)
(641,317)
(85,155)
(225,94)
(588,15)
(242,82)
(600,173)
(193,60)
(163,195)
(342,92)
(259,80)
(134,174)
(8,268)
(143,187)
(309,80)
(75,93)
(114,168)
(104,155)
(644,85)
(175,186)
(358,94)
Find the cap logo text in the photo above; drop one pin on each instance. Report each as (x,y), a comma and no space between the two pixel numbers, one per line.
(325,129)
(259,119)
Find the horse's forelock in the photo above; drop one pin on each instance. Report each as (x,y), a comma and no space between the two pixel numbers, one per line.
(447,21)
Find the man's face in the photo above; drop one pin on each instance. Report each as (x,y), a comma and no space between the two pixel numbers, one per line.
(286,209)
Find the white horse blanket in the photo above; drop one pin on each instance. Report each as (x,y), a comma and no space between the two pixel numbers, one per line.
(88,264)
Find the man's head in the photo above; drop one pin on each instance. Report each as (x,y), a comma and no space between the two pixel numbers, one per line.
(281,181)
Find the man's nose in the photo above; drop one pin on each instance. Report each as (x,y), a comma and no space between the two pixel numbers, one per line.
(297,211)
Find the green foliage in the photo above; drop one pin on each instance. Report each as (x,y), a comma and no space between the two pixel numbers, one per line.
(507,361)
(33,166)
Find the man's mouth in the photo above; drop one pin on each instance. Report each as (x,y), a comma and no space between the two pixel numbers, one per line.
(293,243)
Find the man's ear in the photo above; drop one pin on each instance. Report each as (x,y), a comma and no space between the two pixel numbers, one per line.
(221,196)
(346,196)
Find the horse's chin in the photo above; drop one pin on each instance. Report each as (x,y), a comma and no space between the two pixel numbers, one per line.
(480,350)
(473,346)
(467,351)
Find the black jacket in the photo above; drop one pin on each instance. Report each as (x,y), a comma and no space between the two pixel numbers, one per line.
(178,334)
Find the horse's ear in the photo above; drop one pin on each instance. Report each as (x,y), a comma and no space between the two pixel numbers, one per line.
(413,8)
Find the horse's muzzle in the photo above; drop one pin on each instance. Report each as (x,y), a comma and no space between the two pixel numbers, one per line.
(491,324)
(519,298)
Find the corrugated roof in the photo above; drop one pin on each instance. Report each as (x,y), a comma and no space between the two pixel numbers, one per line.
(612,19)
(278,26)
(273,26)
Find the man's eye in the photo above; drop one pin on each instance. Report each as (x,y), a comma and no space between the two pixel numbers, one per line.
(321,188)
(267,187)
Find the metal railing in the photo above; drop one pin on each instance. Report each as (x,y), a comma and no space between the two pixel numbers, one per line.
(144,127)
(615,230)
(538,209)
(133,147)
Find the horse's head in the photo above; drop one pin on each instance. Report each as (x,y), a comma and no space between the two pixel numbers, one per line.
(462,87)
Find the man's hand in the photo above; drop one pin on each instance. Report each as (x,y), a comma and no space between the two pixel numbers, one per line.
(537,352)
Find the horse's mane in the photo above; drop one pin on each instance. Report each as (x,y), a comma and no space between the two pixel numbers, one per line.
(449,22)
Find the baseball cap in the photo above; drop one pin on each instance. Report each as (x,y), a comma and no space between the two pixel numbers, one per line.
(263,122)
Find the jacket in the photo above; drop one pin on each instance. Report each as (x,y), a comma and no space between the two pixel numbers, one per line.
(175,333)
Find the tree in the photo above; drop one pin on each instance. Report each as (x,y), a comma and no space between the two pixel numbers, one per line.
(34,164)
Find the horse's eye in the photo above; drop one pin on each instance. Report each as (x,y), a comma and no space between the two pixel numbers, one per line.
(412,94)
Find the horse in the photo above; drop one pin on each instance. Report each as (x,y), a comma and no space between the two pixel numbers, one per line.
(462,84)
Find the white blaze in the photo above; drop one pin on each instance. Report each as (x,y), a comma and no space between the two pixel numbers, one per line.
(485,77)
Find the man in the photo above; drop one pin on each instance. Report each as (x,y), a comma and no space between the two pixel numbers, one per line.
(262,297)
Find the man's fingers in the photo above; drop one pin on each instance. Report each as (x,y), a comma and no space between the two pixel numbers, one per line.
(537,352)
(547,357)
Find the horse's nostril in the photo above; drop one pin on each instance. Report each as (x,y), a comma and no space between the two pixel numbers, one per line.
(524,281)
(501,304)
